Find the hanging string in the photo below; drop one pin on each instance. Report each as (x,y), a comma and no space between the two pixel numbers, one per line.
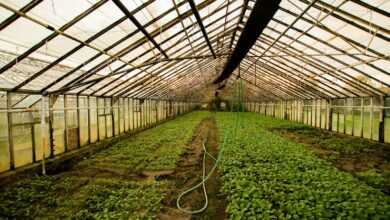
(53,7)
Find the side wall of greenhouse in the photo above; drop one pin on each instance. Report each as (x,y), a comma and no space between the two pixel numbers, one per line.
(71,122)
(366,117)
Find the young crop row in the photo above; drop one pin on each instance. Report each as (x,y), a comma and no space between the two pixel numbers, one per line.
(268,177)
(154,149)
(101,187)
(366,159)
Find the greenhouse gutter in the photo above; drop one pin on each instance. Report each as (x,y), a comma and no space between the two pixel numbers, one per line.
(263,11)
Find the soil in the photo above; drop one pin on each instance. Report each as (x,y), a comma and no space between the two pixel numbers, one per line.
(189,172)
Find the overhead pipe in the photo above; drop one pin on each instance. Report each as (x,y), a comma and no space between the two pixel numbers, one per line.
(263,11)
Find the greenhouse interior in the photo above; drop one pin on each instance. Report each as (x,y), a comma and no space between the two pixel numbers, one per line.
(195,109)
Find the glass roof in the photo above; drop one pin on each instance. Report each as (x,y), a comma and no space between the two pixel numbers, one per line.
(158,49)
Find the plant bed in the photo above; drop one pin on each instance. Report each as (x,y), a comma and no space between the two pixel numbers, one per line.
(107,185)
(366,159)
(266,176)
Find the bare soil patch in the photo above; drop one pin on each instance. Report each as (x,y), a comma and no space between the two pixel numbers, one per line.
(189,172)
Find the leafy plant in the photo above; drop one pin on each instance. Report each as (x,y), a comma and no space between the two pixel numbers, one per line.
(269,177)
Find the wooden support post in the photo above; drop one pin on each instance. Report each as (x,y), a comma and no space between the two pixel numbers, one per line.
(128,115)
(273,113)
(338,119)
(361,117)
(353,117)
(112,116)
(78,121)
(156,113)
(330,116)
(52,100)
(315,112)
(43,135)
(382,117)
(65,124)
(10,133)
(371,115)
(89,119)
(345,116)
(285,111)
(33,147)
(320,111)
(119,114)
(97,119)
(105,117)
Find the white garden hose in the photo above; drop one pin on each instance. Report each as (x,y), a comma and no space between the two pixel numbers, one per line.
(204,177)
(202,183)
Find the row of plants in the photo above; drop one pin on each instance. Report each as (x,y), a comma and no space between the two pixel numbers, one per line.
(266,176)
(154,149)
(368,160)
(103,187)
(58,197)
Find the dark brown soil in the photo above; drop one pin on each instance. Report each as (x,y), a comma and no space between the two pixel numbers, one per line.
(189,172)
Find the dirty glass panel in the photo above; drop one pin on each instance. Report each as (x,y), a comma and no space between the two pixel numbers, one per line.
(341,116)
(348,116)
(126,114)
(335,115)
(357,114)
(122,115)
(83,111)
(22,126)
(116,112)
(131,114)
(36,115)
(4,148)
(376,114)
(323,114)
(58,125)
(109,118)
(93,119)
(387,120)
(102,119)
(367,118)
(72,130)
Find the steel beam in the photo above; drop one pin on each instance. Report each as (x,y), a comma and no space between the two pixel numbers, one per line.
(200,23)
(123,8)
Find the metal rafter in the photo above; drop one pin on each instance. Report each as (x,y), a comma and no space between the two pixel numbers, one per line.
(124,72)
(200,23)
(139,42)
(123,8)
(50,28)
(15,16)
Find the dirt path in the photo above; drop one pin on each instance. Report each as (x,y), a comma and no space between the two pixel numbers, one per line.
(189,172)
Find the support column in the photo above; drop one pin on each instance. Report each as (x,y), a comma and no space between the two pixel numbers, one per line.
(10,135)
(52,100)
(382,121)
(330,116)
(65,125)
(361,117)
(112,116)
(78,120)
(89,120)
